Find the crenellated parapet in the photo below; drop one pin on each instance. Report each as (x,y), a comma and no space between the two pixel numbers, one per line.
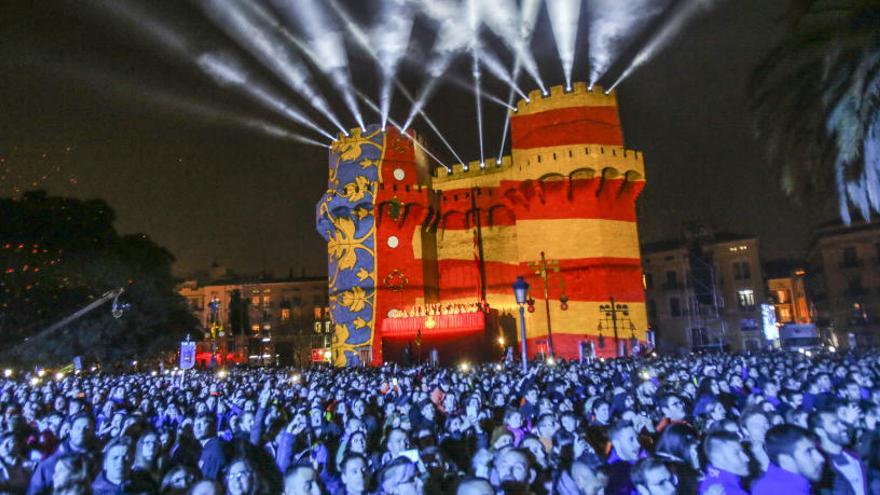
(568,161)
(580,95)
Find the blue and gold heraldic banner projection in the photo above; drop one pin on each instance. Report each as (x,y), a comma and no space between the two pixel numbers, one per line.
(345,218)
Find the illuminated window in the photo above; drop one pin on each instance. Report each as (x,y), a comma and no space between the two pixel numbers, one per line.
(255,328)
(783,314)
(255,300)
(782,296)
(267,299)
(285,314)
(746,299)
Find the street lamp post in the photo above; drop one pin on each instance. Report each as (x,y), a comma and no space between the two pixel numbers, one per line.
(214,305)
(542,269)
(521,292)
(611,312)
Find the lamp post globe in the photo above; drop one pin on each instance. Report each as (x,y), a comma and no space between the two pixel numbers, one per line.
(521,293)
(521,290)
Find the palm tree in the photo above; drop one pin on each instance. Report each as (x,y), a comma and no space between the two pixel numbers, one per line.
(816,100)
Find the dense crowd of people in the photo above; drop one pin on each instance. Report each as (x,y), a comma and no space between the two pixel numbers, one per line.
(769,423)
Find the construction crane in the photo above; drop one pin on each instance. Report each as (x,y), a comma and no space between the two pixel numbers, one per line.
(117,309)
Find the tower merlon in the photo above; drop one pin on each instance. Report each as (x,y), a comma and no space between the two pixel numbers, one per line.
(580,95)
(473,169)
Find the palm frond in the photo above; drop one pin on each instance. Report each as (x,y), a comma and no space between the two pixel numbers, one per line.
(816,98)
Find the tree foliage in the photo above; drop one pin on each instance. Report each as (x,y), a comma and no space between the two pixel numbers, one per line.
(59,254)
(816,98)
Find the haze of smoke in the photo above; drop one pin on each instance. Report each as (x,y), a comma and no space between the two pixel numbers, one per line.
(564,19)
(496,67)
(683,13)
(614,23)
(363,40)
(119,86)
(514,27)
(227,72)
(327,45)
(391,37)
(416,142)
(225,68)
(252,32)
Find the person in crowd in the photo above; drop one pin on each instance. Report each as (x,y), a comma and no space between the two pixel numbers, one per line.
(400,477)
(754,424)
(673,409)
(148,461)
(650,476)
(206,487)
(178,480)
(15,470)
(301,480)
(582,479)
(213,449)
(115,476)
(241,478)
(396,442)
(678,447)
(728,464)
(570,427)
(795,463)
(353,475)
(625,451)
(843,471)
(71,474)
(79,441)
(513,471)
(474,486)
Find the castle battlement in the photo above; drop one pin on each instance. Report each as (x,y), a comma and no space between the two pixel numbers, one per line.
(580,96)
(472,169)
(582,161)
(563,160)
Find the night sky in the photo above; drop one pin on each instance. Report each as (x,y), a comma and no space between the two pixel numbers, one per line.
(75,107)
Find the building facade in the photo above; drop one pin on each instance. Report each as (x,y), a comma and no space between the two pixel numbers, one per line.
(259,321)
(845,282)
(704,292)
(416,254)
(787,290)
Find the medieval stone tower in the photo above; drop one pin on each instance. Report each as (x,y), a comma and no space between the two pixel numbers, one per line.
(405,245)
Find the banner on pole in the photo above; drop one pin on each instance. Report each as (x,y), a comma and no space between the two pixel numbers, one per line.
(187,355)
